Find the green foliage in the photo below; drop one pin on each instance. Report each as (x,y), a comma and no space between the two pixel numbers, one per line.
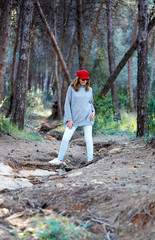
(3,101)
(12,129)
(14,234)
(151,114)
(58,228)
(123,96)
(104,107)
(104,122)
(104,115)
(128,122)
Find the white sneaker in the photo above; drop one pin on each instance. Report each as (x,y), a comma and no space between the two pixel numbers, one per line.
(55,161)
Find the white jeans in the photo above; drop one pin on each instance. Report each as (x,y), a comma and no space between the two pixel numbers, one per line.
(67,136)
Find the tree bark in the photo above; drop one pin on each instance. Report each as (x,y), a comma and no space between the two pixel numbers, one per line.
(152,68)
(111,57)
(122,63)
(131,102)
(70,63)
(55,45)
(63,37)
(93,34)
(80,34)
(13,63)
(57,77)
(22,72)
(142,78)
(151,38)
(30,45)
(5,27)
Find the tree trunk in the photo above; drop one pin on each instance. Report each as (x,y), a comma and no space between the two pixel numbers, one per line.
(80,33)
(57,77)
(152,68)
(30,45)
(123,61)
(142,78)
(151,38)
(13,63)
(131,102)
(22,72)
(63,38)
(93,34)
(5,27)
(111,56)
(70,63)
(55,45)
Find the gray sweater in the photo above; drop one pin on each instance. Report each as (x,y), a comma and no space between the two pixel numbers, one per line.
(78,106)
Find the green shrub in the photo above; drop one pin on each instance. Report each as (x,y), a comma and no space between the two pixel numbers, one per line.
(128,122)
(104,115)
(104,120)
(57,228)
(104,108)
(151,114)
(12,129)
(123,96)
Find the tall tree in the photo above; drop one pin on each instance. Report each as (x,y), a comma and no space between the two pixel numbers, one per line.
(69,63)
(5,26)
(13,63)
(55,45)
(152,68)
(80,33)
(142,78)
(93,33)
(63,35)
(22,72)
(111,57)
(57,76)
(131,102)
(123,61)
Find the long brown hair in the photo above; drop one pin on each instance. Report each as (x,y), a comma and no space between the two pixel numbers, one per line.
(76,84)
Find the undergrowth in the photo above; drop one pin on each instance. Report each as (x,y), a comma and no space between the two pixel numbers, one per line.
(105,123)
(8,127)
(39,104)
(57,228)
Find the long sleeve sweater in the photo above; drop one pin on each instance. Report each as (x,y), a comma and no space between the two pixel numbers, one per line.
(78,106)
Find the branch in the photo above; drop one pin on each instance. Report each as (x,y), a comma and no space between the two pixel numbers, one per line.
(122,63)
(93,34)
(52,37)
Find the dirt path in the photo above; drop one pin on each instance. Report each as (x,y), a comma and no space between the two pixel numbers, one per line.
(115,194)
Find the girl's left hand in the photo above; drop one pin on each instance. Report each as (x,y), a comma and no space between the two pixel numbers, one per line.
(92,116)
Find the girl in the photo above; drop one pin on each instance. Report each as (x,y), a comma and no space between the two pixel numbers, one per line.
(79,111)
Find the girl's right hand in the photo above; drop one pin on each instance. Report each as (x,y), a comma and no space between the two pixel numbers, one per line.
(70,124)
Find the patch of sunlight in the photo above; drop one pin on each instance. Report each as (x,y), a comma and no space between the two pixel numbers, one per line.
(23,134)
(128,122)
(61,128)
(41,112)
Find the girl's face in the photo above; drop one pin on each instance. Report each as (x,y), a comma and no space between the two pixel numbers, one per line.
(83,82)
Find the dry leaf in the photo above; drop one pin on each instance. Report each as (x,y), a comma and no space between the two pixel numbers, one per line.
(50,138)
(102,150)
(113,177)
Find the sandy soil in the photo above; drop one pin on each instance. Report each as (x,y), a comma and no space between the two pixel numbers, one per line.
(115,193)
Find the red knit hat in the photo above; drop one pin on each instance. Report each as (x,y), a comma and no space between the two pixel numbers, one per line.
(83,74)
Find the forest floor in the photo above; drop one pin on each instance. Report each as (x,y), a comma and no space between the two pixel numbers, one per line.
(115,193)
